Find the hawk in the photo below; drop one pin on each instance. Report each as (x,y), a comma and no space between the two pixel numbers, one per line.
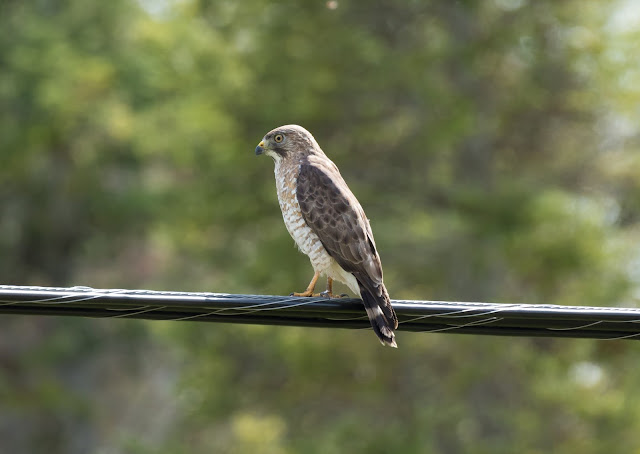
(328,224)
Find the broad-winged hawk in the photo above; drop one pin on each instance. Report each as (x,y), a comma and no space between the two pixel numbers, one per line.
(327,223)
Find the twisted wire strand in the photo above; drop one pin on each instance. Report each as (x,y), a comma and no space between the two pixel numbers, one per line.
(609,323)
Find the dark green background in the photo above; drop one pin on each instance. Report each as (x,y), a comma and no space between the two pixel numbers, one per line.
(494,145)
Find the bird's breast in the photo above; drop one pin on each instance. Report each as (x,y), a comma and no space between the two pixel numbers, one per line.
(305,238)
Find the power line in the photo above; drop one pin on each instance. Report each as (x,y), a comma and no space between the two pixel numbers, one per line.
(425,316)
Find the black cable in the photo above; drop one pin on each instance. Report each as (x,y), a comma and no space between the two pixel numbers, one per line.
(425,316)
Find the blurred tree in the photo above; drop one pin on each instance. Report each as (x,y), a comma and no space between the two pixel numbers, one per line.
(70,196)
(493,144)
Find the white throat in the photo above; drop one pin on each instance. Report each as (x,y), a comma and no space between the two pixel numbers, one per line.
(275,156)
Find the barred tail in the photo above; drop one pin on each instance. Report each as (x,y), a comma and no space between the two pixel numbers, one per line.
(381,315)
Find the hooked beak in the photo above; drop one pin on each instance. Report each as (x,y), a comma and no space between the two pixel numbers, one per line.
(260,148)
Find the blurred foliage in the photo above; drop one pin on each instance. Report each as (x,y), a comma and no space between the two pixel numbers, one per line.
(494,145)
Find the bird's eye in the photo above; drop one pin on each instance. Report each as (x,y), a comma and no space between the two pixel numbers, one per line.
(278,138)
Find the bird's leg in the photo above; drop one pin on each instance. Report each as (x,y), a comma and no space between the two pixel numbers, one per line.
(329,291)
(310,287)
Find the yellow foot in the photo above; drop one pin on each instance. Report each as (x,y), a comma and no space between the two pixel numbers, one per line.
(328,294)
(324,294)
(310,287)
(306,293)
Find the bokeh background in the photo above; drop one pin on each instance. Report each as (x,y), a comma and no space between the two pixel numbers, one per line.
(494,145)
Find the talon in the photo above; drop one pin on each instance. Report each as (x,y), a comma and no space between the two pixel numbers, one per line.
(328,294)
(305,294)
(310,287)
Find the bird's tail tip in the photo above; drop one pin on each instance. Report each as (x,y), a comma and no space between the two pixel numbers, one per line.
(387,337)
(389,343)
(383,325)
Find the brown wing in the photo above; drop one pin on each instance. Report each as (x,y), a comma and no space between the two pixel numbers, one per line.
(334,214)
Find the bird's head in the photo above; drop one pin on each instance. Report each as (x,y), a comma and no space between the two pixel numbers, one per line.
(287,142)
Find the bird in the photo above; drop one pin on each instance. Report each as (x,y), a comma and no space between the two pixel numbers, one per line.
(328,224)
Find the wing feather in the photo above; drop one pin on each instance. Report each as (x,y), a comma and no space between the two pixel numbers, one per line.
(334,214)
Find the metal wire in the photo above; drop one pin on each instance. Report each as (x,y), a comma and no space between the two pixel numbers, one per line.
(425,316)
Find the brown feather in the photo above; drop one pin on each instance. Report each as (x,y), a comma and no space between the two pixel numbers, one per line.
(336,217)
